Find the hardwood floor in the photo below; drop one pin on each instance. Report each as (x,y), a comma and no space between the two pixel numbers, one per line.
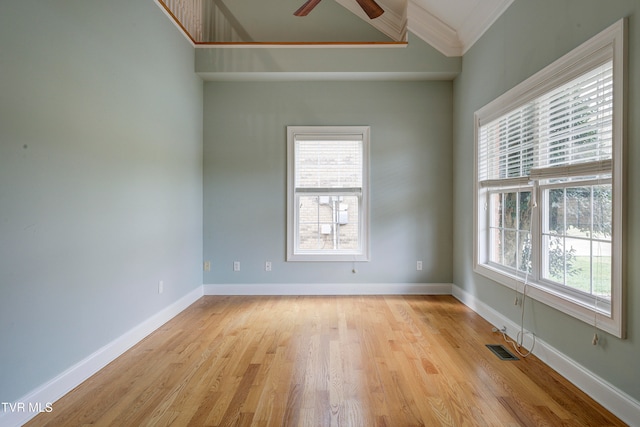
(324,361)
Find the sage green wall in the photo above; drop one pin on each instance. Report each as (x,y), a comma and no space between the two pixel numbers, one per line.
(529,36)
(100,179)
(245,178)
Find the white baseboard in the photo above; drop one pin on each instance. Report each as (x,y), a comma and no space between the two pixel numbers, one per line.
(42,398)
(615,400)
(330,289)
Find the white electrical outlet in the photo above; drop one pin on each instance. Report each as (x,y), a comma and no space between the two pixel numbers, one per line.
(160,287)
(236,266)
(419,265)
(207,266)
(267,266)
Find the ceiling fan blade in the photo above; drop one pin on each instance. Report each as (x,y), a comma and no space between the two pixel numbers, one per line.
(371,8)
(306,8)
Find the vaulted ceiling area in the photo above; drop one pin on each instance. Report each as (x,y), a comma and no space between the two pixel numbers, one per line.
(449,26)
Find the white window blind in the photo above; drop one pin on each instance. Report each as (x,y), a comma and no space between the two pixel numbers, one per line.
(328,164)
(570,125)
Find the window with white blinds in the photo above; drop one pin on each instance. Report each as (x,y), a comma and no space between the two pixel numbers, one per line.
(327,193)
(549,184)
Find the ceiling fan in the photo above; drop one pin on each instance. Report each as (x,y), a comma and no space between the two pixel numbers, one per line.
(370,7)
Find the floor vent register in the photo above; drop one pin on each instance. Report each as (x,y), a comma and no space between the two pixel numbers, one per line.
(501,352)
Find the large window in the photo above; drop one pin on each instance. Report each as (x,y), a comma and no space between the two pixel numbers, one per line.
(549,184)
(327,193)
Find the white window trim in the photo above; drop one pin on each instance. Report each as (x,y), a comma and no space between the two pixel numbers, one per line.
(323,131)
(611,41)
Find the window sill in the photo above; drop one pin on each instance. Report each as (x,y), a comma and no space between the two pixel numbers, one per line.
(564,303)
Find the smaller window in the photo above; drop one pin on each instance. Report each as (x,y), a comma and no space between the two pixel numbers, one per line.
(327,198)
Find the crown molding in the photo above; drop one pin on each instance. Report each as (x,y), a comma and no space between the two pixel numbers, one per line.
(433,31)
(451,41)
